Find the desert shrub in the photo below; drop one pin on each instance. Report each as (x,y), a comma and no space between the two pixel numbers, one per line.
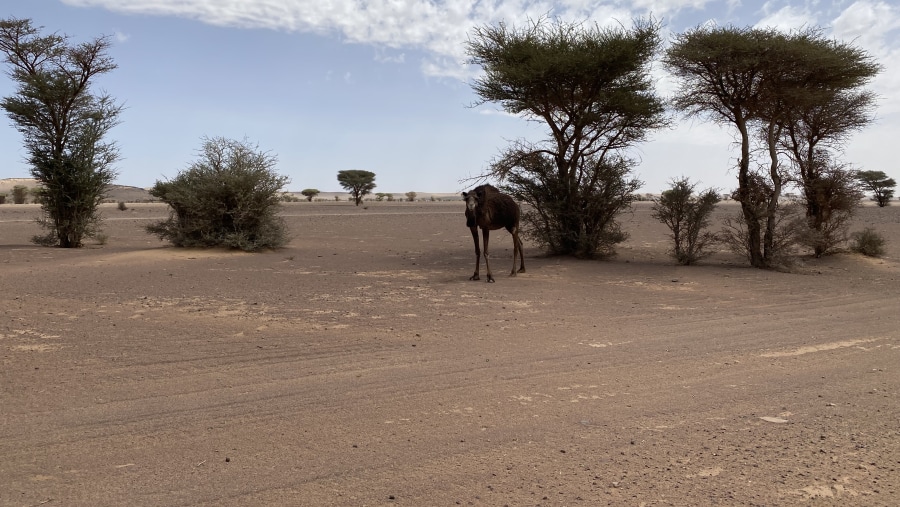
(20,194)
(411,196)
(687,216)
(566,221)
(2,198)
(829,236)
(831,195)
(229,197)
(122,206)
(788,222)
(868,242)
(101,238)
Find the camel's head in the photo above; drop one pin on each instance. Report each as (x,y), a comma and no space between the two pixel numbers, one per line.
(471,202)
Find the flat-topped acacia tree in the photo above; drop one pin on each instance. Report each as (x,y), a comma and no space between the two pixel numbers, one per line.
(359,183)
(591,86)
(797,93)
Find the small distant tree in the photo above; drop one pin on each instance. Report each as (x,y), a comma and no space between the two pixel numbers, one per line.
(687,216)
(310,193)
(63,125)
(20,194)
(229,197)
(879,184)
(411,196)
(358,183)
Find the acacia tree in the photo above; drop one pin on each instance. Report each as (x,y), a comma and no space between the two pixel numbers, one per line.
(358,183)
(773,82)
(591,87)
(879,184)
(63,125)
(818,103)
(310,193)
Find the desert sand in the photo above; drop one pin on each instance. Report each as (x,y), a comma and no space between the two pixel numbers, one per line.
(359,366)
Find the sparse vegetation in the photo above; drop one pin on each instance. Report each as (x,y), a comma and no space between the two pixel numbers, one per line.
(687,216)
(122,206)
(228,197)
(868,242)
(411,197)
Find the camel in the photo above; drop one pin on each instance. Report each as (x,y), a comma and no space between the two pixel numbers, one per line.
(487,208)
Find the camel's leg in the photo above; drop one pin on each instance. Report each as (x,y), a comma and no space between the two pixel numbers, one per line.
(517,250)
(477,253)
(485,232)
(517,243)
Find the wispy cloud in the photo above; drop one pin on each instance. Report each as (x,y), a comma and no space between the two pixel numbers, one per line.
(438,28)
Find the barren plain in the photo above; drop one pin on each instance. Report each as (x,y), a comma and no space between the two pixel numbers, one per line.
(359,366)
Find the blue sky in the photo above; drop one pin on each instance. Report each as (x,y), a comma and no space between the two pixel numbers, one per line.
(327,85)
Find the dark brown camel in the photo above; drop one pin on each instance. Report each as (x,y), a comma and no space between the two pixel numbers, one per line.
(487,208)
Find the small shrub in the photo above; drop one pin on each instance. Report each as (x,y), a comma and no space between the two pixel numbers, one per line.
(2,198)
(868,242)
(101,238)
(411,197)
(229,197)
(687,216)
(122,206)
(788,224)
(20,194)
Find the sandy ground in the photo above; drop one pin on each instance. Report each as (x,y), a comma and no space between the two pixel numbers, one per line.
(360,366)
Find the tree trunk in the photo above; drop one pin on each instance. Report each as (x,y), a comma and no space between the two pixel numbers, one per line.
(772,199)
(754,245)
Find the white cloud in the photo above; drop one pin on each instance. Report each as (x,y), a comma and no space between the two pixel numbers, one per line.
(786,18)
(438,28)
(870,23)
(874,26)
